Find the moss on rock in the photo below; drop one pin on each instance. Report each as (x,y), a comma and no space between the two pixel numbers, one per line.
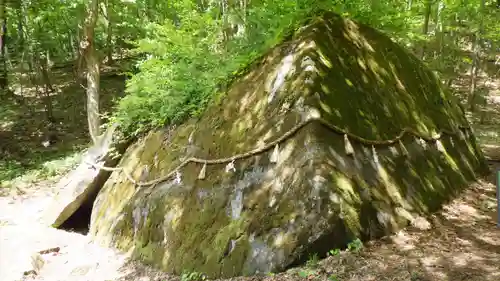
(264,216)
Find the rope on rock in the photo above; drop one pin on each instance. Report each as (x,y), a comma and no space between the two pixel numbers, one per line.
(276,142)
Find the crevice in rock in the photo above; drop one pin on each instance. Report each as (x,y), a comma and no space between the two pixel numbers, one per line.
(338,238)
(79,221)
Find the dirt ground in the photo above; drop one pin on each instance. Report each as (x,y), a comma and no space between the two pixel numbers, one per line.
(462,244)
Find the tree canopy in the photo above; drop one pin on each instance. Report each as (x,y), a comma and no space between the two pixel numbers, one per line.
(192,49)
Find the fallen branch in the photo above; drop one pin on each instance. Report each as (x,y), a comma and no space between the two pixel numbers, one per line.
(50,250)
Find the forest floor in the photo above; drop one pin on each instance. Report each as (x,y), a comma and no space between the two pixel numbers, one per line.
(463,242)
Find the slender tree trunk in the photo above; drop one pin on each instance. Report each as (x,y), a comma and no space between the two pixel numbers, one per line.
(440,34)
(109,31)
(225,21)
(473,76)
(200,5)
(427,16)
(20,27)
(92,63)
(374,5)
(409,5)
(425,27)
(21,49)
(244,8)
(475,62)
(79,60)
(44,71)
(3,32)
(242,25)
(32,73)
(74,50)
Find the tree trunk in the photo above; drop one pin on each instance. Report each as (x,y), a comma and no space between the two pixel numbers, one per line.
(20,27)
(79,60)
(427,16)
(440,35)
(21,53)
(425,27)
(3,32)
(32,73)
(374,4)
(475,63)
(200,5)
(106,7)
(473,76)
(225,21)
(409,5)
(92,65)
(44,71)
(242,24)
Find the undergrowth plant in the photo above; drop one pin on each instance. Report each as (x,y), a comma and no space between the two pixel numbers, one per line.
(188,61)
(355,245)
(15,174)
(193,276)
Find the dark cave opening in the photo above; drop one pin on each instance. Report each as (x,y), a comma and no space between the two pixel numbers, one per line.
(89,186)
(79,221)
(337,239)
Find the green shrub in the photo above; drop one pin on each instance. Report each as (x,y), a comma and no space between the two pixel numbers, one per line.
(188,62)
(193,276)
(355,245)
(313,261)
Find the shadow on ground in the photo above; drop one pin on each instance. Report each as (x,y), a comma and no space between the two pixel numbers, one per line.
(463,243)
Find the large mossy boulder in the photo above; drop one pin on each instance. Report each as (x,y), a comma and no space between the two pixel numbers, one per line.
(383,144)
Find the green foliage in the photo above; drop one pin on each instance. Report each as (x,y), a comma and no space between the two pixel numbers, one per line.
(313,261)
(16,173)
(193,276)
(310,269)
(355,245)
(189,61)
(307,273)
(333,277)
(176,80)
(334,252)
